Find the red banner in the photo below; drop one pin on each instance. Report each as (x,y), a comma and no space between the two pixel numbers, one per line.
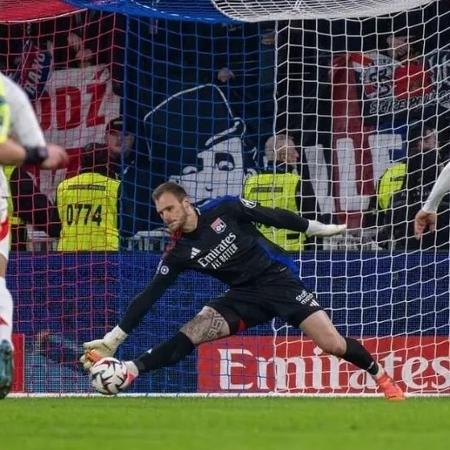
(67,75)
(353,179)
(19,363)
(74,110)
(255,364)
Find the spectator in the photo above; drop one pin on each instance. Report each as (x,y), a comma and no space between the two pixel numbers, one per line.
(118,145)
(88,205)
(75,38)
(403,188)
(131,168)
(411,77)
(280,185)
(28,205)
(248,70)
(83,55)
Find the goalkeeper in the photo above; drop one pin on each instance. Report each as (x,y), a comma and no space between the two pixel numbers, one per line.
(21,142)
(221,239)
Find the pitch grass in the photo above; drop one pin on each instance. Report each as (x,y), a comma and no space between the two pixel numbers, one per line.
(222,424)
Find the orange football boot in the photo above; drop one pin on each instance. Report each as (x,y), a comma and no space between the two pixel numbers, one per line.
(389,388)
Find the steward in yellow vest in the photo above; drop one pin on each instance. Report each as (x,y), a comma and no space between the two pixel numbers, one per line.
(279,186)
(282,190)
(404,187)
(276,190)
(88,206)
(392,180)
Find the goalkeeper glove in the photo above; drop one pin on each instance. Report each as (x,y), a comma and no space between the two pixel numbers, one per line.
(316,228)
(100,348)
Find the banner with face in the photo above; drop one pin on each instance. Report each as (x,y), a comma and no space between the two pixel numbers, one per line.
(194,139)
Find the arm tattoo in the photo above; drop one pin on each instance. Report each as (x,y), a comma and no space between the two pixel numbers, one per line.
(206,326)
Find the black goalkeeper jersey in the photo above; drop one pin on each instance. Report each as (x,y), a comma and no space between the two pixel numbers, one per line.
(225,245)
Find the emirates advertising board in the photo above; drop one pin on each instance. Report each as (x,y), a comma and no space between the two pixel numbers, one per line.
(258,364)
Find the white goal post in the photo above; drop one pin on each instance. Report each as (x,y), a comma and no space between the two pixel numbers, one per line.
(259,11)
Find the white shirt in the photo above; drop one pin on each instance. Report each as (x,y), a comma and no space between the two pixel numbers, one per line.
(440,188)
(24,128)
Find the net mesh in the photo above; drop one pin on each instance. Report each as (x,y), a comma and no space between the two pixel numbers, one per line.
(65,65)
(368,110)
(346,118)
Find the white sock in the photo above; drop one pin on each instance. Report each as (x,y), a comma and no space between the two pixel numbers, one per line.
(380,372)
(6,312)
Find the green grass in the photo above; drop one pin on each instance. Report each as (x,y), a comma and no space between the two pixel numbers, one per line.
(219,424)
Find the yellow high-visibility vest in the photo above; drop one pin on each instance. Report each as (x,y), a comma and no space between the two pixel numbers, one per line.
(87,206)
(13,219)
(276,191)
(391,181)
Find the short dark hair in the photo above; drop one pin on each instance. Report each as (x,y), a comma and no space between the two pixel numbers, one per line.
(96,156)
(170,187)
(416,134)
(115,125)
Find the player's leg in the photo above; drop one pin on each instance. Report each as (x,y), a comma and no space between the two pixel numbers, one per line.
(298,306)
(214,321)
(321,330)
(220,318)
(223,316)
(236,310)
(6,316)
(207,325)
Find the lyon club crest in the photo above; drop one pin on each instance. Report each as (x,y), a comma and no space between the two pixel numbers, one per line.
(218,225)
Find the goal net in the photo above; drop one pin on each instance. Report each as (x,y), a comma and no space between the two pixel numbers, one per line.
(341,119)
(63,59)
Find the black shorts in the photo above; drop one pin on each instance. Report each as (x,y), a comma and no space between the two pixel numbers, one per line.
(277,295)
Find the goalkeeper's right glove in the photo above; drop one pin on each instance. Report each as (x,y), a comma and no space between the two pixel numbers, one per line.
(100,348)
(316,228)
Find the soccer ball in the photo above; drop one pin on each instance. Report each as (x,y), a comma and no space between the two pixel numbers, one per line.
(108,375)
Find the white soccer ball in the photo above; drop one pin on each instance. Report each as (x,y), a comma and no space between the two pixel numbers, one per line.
(108,375)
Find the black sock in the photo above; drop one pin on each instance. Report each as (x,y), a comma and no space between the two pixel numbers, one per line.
(165,354)
(359,356)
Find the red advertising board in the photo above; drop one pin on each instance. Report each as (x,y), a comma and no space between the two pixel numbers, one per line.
(296,365)
(19,363)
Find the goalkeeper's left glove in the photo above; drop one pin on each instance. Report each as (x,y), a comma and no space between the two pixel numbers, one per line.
(100,348)
(316,228)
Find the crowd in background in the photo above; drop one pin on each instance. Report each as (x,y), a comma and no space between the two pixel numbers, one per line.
(289,116)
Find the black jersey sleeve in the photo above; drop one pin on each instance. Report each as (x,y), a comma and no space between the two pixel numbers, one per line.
(166,274)
(250,211)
